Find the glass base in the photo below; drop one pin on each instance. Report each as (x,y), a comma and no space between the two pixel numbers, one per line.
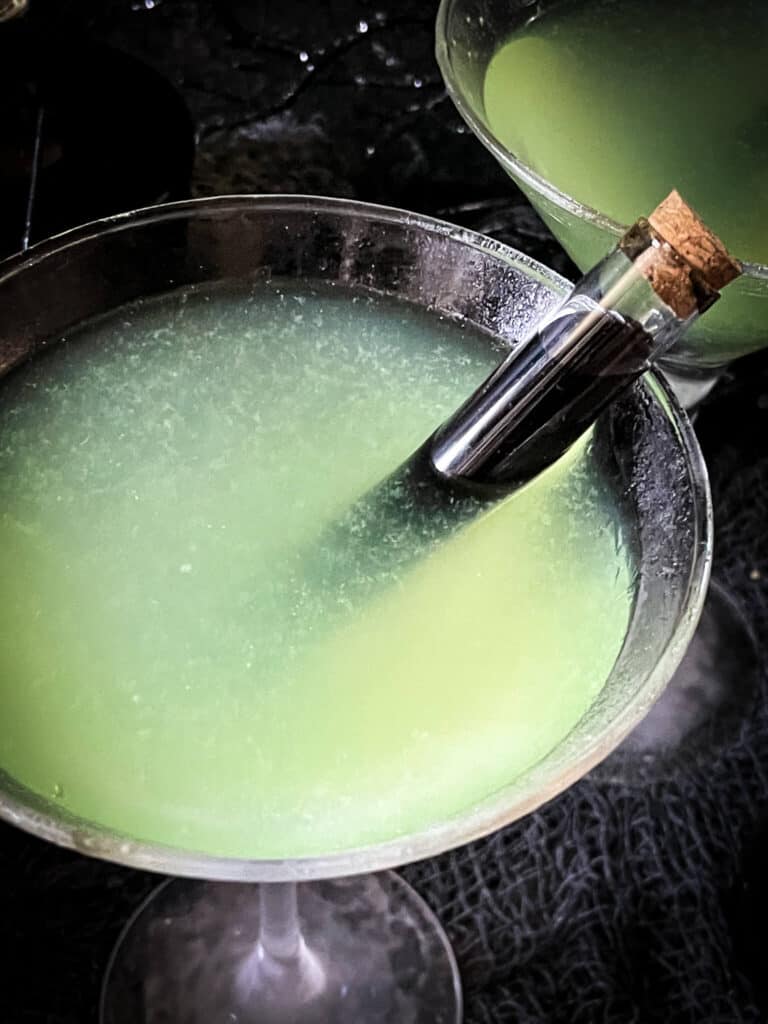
(706,698)
(369,951)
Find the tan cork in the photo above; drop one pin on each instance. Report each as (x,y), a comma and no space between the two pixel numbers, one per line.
(690,237)
(672,280)
(685,263)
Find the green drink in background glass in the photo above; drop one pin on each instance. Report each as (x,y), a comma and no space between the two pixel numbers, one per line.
(598,108)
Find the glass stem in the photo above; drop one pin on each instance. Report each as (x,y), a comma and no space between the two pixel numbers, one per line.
(279,930)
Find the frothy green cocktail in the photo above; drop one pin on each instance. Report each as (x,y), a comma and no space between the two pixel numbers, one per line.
(159,472)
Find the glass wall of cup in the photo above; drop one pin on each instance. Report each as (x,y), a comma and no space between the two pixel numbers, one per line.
(268,949)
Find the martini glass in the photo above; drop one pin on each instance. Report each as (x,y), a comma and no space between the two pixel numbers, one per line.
(720,670)
(336,937)
(469,34)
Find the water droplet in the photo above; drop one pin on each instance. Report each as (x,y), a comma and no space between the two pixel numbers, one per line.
(359,79)
(186,568)
(58,791)
(370,150)
(362,26)
(417,83)
(303,56)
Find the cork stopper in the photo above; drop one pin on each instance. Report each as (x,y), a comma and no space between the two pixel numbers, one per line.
(690,237)
(685,263)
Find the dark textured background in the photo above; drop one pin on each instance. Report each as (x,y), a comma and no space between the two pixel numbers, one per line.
(637,900)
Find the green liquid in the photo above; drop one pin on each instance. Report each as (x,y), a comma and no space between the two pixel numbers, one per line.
(616,103)
(159,472)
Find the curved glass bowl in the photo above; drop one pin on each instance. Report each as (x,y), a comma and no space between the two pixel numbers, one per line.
(469,32)
(645,443)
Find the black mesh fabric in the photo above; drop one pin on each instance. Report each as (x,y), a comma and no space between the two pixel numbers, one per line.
(638,895)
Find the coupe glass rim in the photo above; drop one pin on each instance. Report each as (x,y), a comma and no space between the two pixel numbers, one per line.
(477,821)
(510,160)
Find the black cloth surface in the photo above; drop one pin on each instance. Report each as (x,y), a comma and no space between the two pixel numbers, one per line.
(637,896)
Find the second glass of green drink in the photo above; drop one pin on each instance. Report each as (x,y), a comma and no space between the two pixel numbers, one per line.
(597,108)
